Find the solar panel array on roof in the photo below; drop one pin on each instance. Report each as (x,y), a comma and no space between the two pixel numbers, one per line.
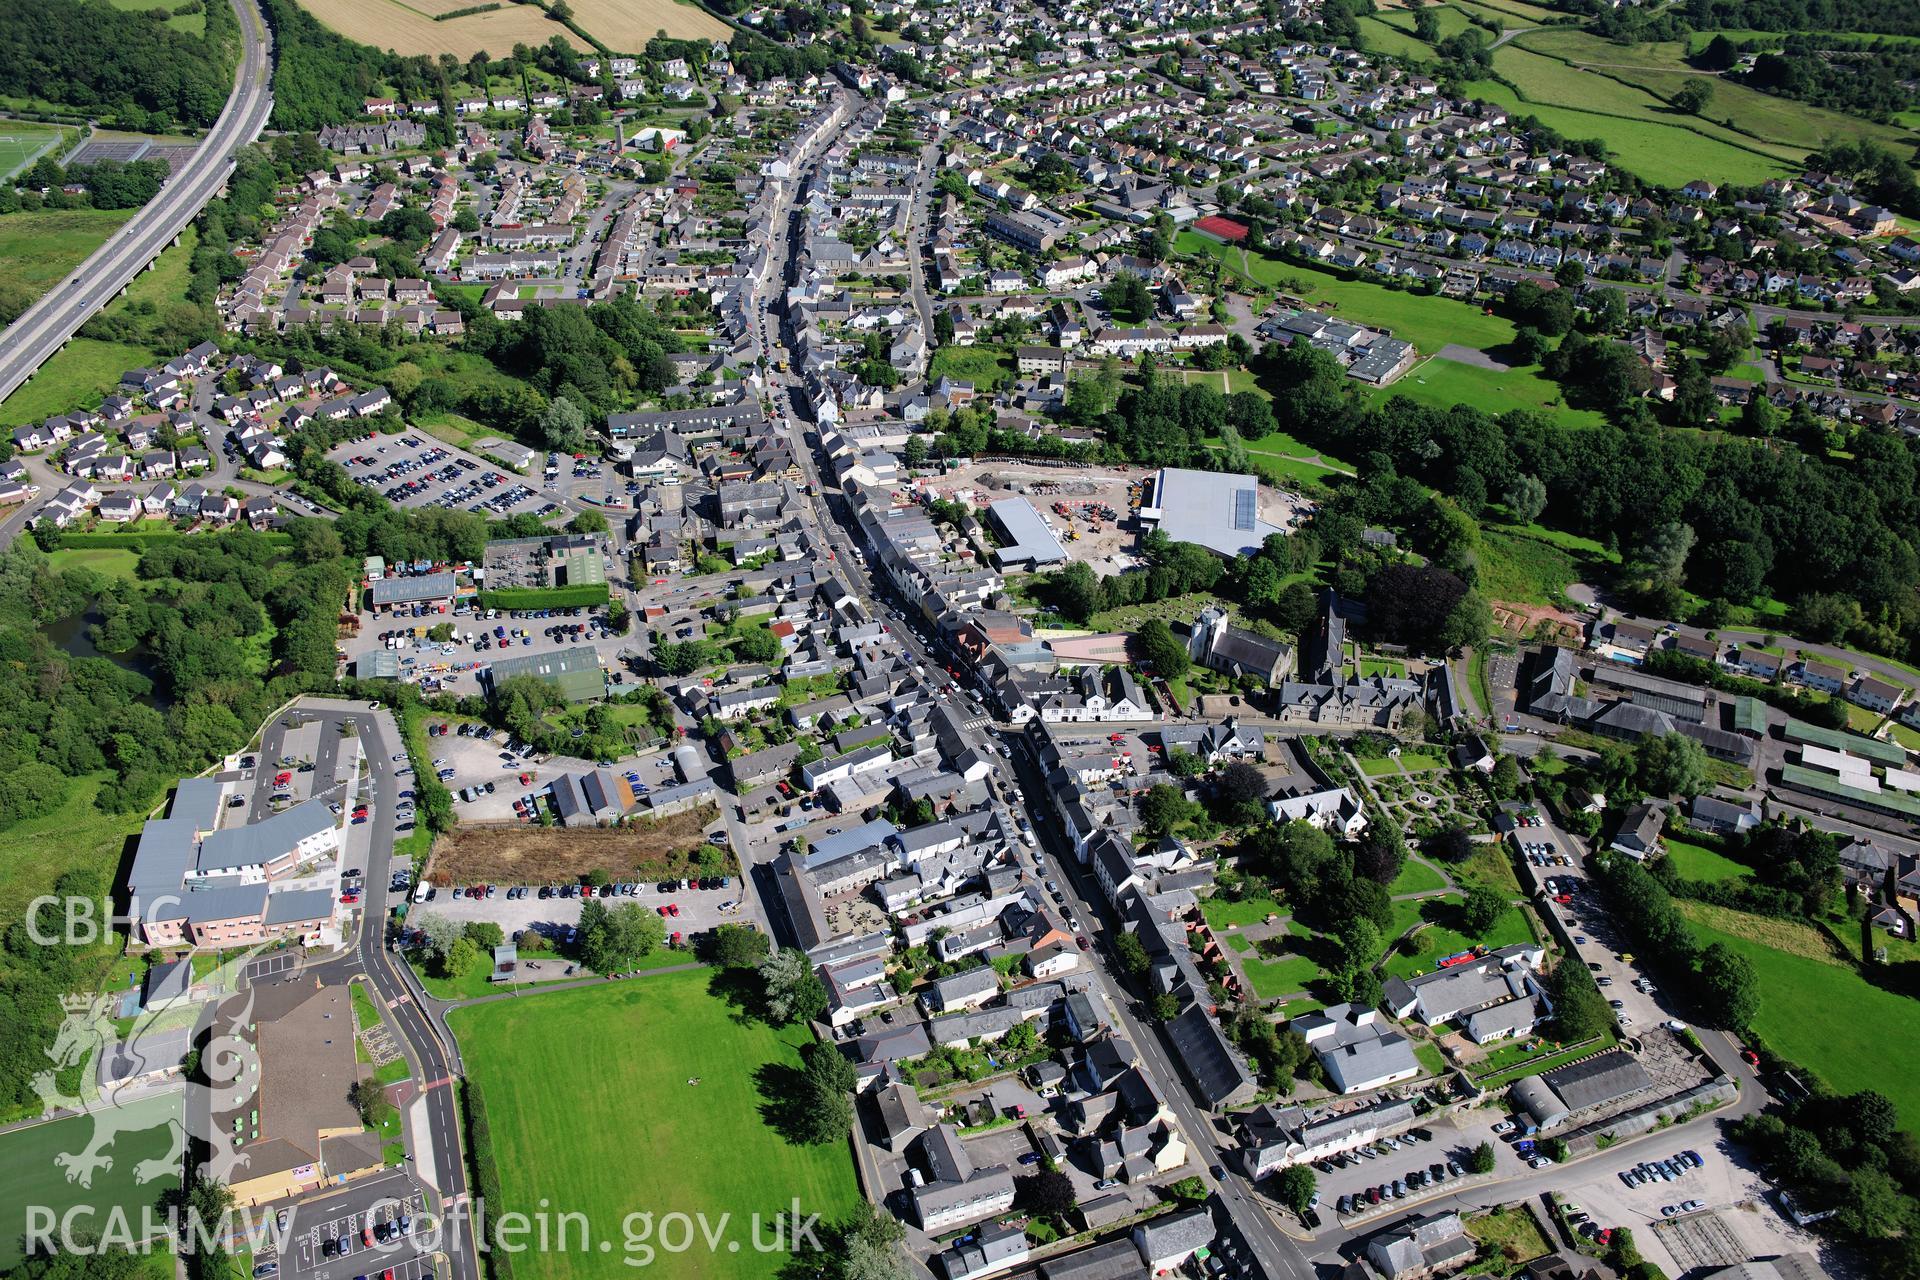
(1243,508)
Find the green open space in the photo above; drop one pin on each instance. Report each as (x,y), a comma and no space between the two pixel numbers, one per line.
(627,1055)
(1445,383)
(1659,68)
(29,1175)
(22,141)
(1667,154)
(1225,913)
(1697,862)
(39,248)
(1442,940)
(114,562)
(1521,569)
(1416,877)
(985,366)
(1271,979)
(477,983)
(1820,1013)
(1489,867)
(1426,320)
(193,24)
(73,836)
(1386,38)
(84,370)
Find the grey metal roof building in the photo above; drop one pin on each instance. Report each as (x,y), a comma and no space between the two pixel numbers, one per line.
(428,586)
(1032,543)
(1217,510)
(576,672)
(1595,1081)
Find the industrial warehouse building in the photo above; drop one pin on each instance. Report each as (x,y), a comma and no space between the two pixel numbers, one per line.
(576,672)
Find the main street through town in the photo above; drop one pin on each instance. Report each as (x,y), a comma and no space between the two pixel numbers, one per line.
(1264,1247)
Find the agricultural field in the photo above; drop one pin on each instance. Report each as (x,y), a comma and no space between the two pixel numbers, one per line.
(627,25)
(1658,69)
(665,1106)
(1386,38)
(29,1176)
(21,143)
(1816,1009)
(409,28)
(1667,154)
(193,24)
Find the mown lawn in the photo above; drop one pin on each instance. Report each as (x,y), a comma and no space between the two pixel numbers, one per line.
(1446,383)
(1223,913)
(114,562)
(628,1056)
(1416,877)
(1697,862)
(1271,979)
(1821,1013)
(1442,940)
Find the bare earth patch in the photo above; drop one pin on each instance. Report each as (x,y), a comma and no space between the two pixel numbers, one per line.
(552,855)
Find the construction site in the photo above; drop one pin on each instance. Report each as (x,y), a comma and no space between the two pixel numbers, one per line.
(1089,509)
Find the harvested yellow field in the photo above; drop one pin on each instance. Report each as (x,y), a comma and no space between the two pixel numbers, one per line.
(409,28)
(627,25)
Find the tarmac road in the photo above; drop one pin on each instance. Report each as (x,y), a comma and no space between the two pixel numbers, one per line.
(56,317)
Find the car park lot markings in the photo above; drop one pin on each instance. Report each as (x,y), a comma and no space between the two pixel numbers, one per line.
(349,1229)
(270,966)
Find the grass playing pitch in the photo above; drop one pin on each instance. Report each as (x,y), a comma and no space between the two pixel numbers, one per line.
(588,1098)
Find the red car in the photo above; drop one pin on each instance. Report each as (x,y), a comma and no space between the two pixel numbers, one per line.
(661,909)
(673,908)
(1751,1058)
(349,898)
(282,777)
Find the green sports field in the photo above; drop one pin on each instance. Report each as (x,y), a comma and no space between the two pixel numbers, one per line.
(29,1176)
(21,142)
(588,1096)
